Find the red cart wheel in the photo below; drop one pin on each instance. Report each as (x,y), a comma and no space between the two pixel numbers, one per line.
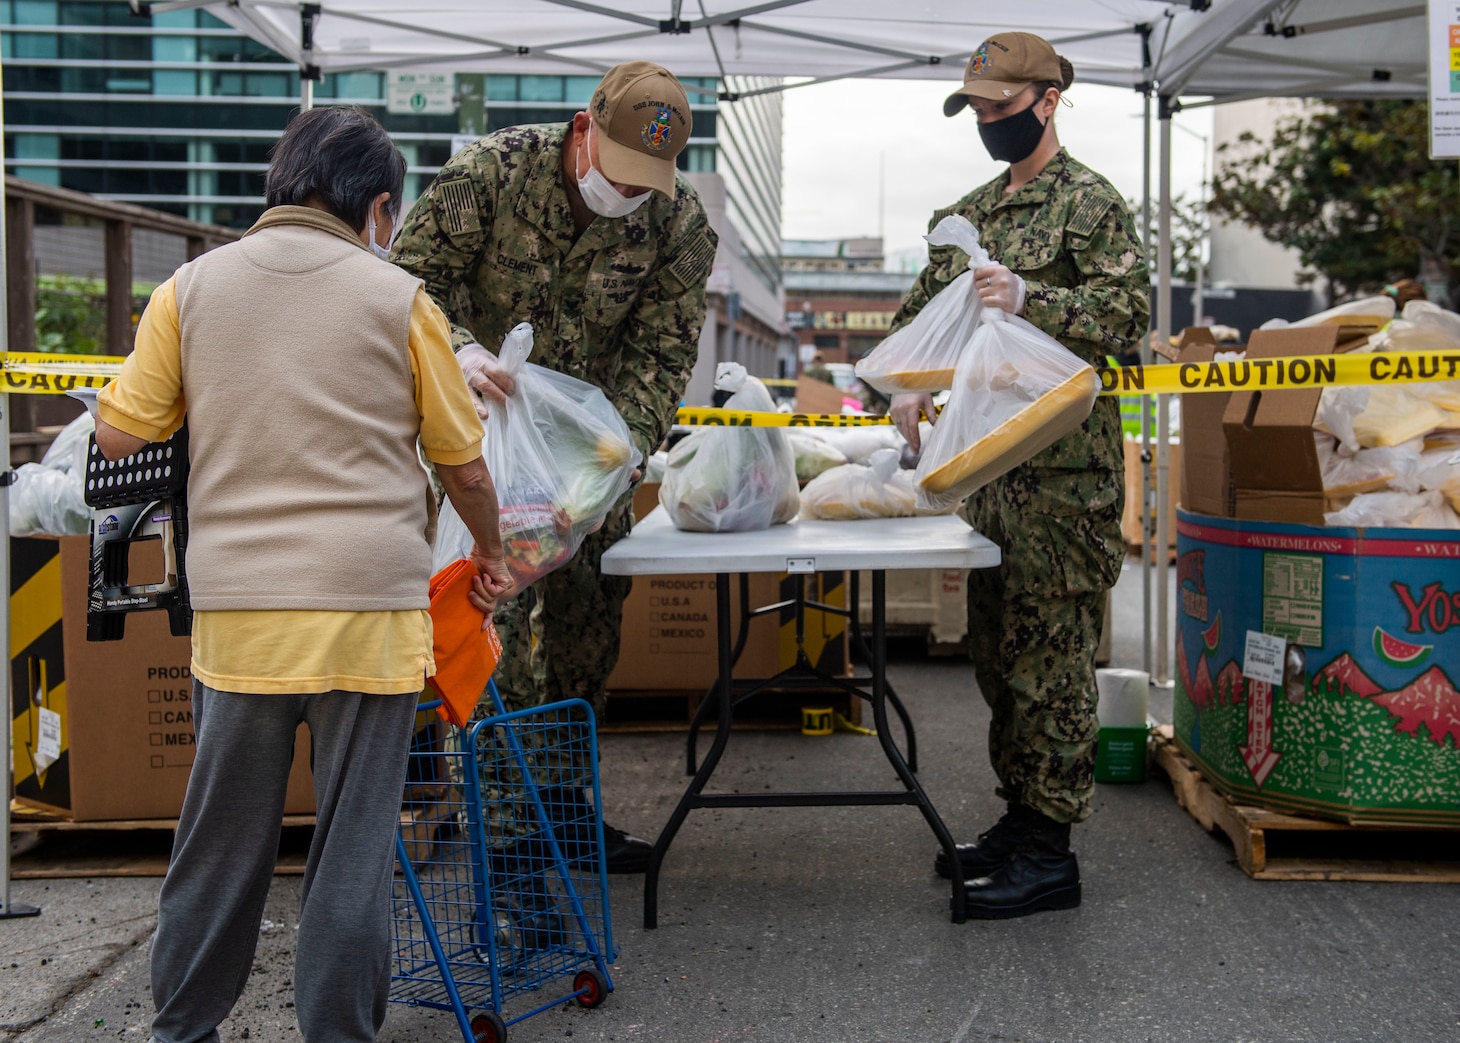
(592,988)
(489,1028)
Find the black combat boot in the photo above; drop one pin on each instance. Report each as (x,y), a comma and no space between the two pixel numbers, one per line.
(1041,873)
(991,848)
(574,817)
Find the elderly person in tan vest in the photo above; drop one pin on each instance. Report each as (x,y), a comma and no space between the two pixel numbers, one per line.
(308,370)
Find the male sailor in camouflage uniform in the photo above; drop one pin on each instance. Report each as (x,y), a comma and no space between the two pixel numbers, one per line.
(1069,261)
(583,230)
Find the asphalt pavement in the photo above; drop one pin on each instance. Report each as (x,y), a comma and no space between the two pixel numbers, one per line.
(827,924)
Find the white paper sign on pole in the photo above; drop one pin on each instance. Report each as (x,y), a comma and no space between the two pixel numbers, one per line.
(421,93)
(1444,52)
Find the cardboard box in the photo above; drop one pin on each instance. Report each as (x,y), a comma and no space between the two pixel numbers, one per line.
(817,396)
(668,640)
(1206,480)
(1366,726)
(123,708)
(1274,460)
(1130,518)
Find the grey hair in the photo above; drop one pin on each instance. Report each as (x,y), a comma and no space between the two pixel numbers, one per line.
(339,157)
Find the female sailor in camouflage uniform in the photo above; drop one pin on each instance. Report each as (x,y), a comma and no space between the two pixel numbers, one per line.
(1069,261)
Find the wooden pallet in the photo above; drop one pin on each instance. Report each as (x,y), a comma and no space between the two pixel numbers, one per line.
(44,847)
(1273,845)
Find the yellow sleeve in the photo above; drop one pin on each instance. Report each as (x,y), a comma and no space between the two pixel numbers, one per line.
(451,432)
(146,399)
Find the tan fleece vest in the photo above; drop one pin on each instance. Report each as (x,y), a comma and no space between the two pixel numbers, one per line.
(305,491)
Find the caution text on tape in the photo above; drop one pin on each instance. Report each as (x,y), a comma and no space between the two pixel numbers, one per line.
(43,374)
(38,373)
(1297,371)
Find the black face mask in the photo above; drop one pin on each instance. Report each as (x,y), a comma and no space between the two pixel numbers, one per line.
(1014,137)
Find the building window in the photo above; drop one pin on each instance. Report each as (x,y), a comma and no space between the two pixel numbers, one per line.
(698,159)
(827,340)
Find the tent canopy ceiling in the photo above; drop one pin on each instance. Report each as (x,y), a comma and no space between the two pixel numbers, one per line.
(1224,48)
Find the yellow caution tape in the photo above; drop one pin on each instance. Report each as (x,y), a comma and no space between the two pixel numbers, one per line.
(1297,371)
(42,374)
(841,724)
(38,373)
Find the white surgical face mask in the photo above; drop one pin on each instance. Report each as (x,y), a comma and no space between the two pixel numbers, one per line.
(383,252)
(601,197)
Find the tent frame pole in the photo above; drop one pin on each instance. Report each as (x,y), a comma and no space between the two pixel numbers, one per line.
(1163,407)
(8,910)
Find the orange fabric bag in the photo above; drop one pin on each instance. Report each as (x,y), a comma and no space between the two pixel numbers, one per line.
(465,654)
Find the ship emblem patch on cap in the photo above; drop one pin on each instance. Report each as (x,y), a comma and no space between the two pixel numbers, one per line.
(656,134)
(980,60)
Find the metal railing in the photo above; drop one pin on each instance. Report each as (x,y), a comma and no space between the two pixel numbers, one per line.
(119,221)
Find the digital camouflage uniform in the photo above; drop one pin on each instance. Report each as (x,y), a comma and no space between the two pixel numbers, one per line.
(1034,622)
(619,306)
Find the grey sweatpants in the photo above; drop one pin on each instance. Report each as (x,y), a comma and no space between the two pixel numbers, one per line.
(227,842)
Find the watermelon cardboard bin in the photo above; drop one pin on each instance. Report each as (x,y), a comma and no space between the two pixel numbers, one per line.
(1366,725)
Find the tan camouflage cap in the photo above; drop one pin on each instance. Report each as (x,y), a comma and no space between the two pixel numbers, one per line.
(1003,66)
(643,122)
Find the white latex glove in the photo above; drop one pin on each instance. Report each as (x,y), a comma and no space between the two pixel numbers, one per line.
(485,376)
(997,287)
(906,410)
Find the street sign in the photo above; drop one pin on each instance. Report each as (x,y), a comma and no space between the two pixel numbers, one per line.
(420,93)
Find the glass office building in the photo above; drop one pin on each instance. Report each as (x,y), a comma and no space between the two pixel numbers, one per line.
(177,112)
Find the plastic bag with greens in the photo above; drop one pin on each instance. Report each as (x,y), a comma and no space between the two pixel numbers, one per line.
(560,456)
(48,501)
(732,479)
(855,491)
(813,455)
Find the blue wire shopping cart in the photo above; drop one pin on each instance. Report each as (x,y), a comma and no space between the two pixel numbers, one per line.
(502,889)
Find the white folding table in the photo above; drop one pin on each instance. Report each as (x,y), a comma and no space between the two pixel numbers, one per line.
(656,547)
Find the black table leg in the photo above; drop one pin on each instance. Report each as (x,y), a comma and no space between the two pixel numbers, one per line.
(884,736)
(855,622)
(694,797)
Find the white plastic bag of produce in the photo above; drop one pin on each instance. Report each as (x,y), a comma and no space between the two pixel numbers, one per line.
(1393,415)
(732,479)
(923,354)
(1017,392)
(814,456)
(47,501)
(560,456)
(68,451)
(857,444)
(1439,471)
(855,491)
(1427,510)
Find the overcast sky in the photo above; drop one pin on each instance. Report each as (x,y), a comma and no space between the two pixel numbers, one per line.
(838,135)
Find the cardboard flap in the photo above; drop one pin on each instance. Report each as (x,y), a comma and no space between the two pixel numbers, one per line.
(817,396)
(1198,338)
(1270,433)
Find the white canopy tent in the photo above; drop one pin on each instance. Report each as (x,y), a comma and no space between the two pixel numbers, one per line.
(1217,49)
(1330,48)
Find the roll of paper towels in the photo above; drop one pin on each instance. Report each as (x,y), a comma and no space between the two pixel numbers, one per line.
(1124,695)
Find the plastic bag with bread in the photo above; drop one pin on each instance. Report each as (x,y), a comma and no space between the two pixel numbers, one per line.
(923,354)
(1016,392)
